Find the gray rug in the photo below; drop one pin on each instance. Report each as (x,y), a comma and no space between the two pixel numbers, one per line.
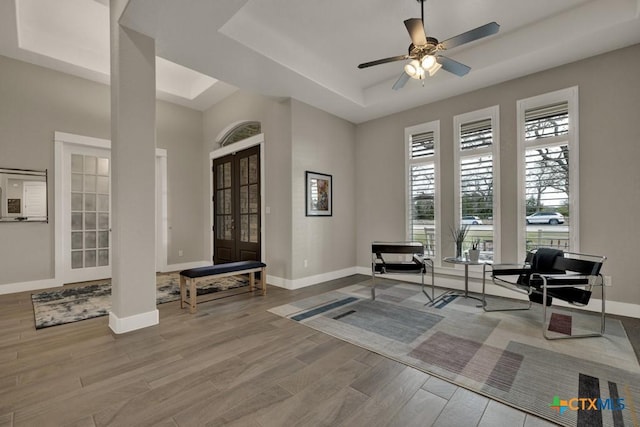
(73,304)
(500,355)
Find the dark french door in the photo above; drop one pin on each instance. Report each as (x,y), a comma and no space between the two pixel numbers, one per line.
(236,206)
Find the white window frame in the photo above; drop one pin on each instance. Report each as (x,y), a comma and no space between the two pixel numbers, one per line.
(434,127)
(493,114)
(569,95)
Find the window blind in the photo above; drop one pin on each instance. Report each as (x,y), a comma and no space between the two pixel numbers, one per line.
(422,145)
(546,121)
(476,134)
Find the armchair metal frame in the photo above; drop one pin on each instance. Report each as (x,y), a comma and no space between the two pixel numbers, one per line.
(417,265)
(568,276)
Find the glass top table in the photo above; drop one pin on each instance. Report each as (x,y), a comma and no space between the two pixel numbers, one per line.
(466,263)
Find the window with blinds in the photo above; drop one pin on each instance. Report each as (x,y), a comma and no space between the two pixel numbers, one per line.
(546,121)
(422,186)
(547,143)
(475,172)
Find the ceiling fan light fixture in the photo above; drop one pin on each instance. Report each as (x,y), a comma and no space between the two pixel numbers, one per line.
(428,61)
(430,64)
(413,69)
(434,68)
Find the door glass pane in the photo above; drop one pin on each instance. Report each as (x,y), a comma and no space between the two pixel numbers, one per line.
(90,176)
(90,165)
(244,200)
(76,240)
(227,175)
(90,258)
(102,184)
(77,163)
(244,228)
(76,182)
(103,257)
(76,220)
(90,202)
(76,201)
(89,221)
(253,168)
(228,224)
(103,203)
(103,239)
(90,239)
(103,166)
(227,201)
(90,183)
(253,198)
(244,171)
(103,221)
(76,259)
(253,228)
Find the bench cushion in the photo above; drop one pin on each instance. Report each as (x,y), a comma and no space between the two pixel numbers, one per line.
(228,267)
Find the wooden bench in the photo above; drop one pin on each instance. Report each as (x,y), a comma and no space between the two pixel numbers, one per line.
(188,278)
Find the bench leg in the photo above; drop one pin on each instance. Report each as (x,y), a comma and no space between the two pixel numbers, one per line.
(192,296)
(252,281)
(183,290)
(263,281)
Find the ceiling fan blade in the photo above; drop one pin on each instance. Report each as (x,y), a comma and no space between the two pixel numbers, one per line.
(471,35)
(416,31)
(452,66)
(383,61)
(402,80)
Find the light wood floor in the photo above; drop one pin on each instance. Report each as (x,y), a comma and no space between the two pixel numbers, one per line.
(232,363)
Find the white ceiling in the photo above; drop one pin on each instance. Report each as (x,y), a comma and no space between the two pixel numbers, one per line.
(310,50)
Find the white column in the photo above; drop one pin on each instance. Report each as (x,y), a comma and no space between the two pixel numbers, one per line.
(133,116)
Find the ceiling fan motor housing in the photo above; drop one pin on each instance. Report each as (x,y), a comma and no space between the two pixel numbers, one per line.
(427,49)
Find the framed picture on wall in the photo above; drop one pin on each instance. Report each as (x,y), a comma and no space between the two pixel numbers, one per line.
(318,194)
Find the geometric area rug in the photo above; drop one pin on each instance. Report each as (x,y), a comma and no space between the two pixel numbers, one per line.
(501,355)
(73,304)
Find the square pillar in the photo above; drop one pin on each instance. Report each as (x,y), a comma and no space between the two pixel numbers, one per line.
(133,145)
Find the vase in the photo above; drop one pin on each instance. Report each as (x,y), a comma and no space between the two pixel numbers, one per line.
(474,255)
(459,250)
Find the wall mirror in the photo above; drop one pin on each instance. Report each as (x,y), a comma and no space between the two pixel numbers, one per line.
(23,195)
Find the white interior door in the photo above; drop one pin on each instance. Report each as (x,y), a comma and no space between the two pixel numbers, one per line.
(87,214)
(83,208)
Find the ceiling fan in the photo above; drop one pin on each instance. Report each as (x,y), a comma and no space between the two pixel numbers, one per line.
(423,51)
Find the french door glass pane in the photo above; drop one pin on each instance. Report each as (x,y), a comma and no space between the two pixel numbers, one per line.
(77,162)
(76,259)
(76,201)
(90,195)
(76,240)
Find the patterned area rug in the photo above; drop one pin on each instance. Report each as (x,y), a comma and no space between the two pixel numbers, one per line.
(69,305)
(502,355)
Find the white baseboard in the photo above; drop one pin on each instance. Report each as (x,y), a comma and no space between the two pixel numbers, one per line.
(310,280)
(456,281)
(34,285)
(132,323)
(184,266)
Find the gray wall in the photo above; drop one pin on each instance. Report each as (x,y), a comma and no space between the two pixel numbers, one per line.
(323,143)
(609,101)
(179,130)
(34,103)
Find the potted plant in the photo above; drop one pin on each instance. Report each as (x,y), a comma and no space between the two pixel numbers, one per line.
(474,252)
(459,234)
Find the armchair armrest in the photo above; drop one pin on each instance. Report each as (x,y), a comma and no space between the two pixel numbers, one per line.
(509,269)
